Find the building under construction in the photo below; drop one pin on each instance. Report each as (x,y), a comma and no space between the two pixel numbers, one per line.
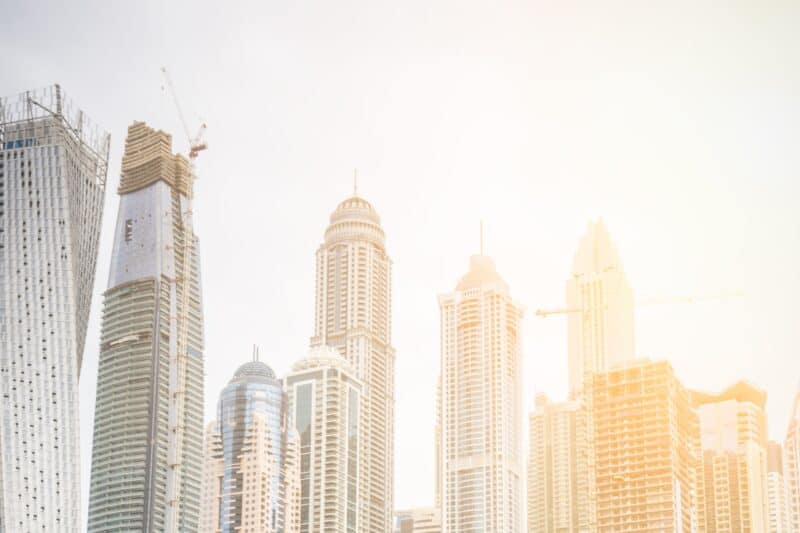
(148,428)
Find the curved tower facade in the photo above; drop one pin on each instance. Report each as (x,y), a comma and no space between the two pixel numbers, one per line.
(53,166)
(600,325)
(481,405)
(245,471)
(353,315)
(148,427)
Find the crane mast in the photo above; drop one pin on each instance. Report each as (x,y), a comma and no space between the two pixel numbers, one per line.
(179,357)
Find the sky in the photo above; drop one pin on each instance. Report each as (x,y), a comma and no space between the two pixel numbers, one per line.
(677,123)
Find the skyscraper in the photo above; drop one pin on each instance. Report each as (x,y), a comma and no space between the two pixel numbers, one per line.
(777,494)
(481,405)
(353,314)
(148,428)
(600,324)
(245,473)
(791,451)
(645,437)
(53,166)
(418,520)
(557,473)
(732,485)
(325,402)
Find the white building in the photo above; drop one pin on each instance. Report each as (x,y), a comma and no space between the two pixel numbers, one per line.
(148,428)
(600,304)
(481,405)
(777,494)
(732,489)
(324,405)
(353,314)
(53,166)
(791,463)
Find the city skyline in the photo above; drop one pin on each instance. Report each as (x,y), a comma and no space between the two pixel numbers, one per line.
(687,160)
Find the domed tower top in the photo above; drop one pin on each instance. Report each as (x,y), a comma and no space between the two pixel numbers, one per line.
(355,219)
(253,372)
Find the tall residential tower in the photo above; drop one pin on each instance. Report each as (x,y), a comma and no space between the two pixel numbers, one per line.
(148,428)
(481,405)
(791,463)
(53,166)
(600,325)
(353,314)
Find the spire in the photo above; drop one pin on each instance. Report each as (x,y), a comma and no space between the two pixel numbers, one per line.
(355,182)
(255,353)
(481,237)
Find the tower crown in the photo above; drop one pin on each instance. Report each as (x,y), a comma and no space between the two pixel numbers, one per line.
(355,219)
(253,371)
(596,252)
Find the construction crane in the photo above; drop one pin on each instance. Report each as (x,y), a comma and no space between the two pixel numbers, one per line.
(179,359)
(544,313)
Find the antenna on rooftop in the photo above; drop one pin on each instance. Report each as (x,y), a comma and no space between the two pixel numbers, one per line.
(481,237)
(355,182)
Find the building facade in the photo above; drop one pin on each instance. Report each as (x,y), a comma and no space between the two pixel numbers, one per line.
(600,323)
(148,427)
(777,494)
(558,477)
(247,471)
(732,487)
(791,463)
(325,399)
(645,441)
(353,314)
(418,520)
(53,166)
(481,405)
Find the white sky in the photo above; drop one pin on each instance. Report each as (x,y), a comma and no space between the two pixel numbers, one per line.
(679,125)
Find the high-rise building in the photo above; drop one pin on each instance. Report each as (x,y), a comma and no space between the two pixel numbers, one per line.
(791,463)
(418,520)
(557,473)
(645,436)
(481,405)
(600,324)
(732,485)
(777,495)
(353,314)
(247,470)
(325,402)
(53,166)
(148,428)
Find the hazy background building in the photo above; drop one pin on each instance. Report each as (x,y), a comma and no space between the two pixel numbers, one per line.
(600,323)
(777,494)
(791,463)
(557,476)
(732,482)
(353,314)
(53,166)
(481,404)
(325,403)
(418,520)
(645,436)
(247,469)
(148,429)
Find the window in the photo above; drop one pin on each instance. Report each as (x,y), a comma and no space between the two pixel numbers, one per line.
(128,230)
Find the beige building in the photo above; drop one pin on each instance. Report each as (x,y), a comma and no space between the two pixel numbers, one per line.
(481,405)
(325,402)
(418,520)
(353,314)
(558,476)
(600,307)
(732,487)
(777,494)
(791,463)
(646,439)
